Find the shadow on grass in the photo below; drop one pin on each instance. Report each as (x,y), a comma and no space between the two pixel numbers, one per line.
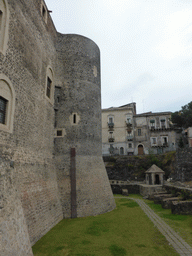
(117,250)
(123,231)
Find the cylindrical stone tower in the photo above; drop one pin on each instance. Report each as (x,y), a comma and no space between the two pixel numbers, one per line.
(83,183)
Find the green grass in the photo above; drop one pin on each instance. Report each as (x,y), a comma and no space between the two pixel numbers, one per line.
(124,231)
(182,224)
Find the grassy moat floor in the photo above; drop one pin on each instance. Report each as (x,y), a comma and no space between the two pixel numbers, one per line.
(123,231)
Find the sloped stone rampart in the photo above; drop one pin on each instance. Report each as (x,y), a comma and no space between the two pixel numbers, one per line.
(14,237)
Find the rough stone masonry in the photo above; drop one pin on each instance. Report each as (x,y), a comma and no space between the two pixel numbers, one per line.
(50,103)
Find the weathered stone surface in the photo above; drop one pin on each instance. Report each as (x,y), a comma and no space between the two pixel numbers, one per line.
(40,158)
(151,196)
(134,167)
(158,198)
(167,202)
(183,165)
(148,190)
(14,237)
(184,207)
(132,188)
(125,192)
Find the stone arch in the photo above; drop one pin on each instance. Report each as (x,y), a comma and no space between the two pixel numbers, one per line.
(4,24)
(7,104)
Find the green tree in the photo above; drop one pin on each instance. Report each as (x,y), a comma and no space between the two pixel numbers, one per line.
(183,118)
(181,144)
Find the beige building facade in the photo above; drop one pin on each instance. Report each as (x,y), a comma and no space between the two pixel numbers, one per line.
(117,130)
(189,136)
(126,133)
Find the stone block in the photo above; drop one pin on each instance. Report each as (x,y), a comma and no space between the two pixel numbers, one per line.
(167,202)
(125,192)
(159,198)
(184,207)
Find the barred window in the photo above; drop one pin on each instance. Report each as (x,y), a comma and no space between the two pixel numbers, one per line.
(3,104)
(59,133)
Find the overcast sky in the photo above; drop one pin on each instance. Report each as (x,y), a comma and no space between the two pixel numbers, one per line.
(146,48)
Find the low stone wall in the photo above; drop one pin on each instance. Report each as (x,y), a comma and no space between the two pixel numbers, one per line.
(147,190)
(183,207)
(176,190)
(167,202)
(158,199)
(135,188)
(132,188)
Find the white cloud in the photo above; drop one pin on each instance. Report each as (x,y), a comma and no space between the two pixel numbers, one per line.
(137,39)
(176,36)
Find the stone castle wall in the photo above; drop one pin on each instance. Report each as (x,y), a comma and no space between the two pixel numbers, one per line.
(40,160)
(79,89)
(183,165)
(30,51)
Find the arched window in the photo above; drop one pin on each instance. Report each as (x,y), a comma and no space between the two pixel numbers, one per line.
(4,23)
(44,11)
(74,118)
(49,91)
(121,151)
(7,104)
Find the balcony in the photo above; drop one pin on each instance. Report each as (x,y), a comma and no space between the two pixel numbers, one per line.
(110,125)
(159,145)
(130,137)
(128,124)
(110,139)
(162,128)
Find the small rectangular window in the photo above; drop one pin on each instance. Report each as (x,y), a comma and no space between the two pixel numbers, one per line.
(49,82)
(74,118)
(139,132)
(59,133)
(3,105)
(130,145)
